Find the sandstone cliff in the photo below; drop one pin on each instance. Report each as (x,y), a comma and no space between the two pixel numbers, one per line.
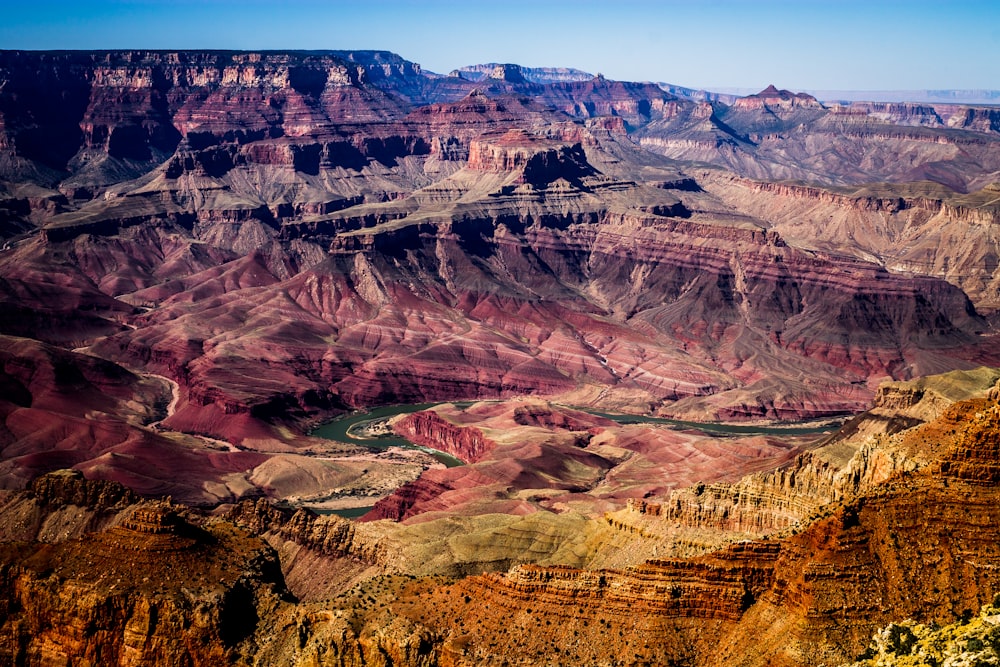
(165,592)
(913,228)
(917,544)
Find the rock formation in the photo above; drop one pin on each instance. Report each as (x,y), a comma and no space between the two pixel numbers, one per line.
(291,235)
(154,589)
(919,544)
(207,254)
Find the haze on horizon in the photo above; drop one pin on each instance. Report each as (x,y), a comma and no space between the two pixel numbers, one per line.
(715,44)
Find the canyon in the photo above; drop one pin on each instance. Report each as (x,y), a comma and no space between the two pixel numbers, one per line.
(207,254)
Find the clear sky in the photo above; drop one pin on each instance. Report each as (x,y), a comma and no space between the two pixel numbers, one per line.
(795,44)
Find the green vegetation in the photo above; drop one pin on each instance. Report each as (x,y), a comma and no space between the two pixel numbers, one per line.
(969,642)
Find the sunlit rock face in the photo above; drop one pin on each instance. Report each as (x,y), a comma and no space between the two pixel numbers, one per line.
(257,584)
(207,254)
(288,235)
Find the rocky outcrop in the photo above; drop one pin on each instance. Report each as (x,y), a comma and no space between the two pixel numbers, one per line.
(757,505)
(916,545)
(874,204)
(908,228)
(166,591)
(541,75)
(721,587)
(329,535)
(971,640)
(900,113)
(979,119)
(538,163)
(62,505)
(773,99)
(976,454)
(429,429)
(811,597)
(774,135)
(890,439)
(69,487)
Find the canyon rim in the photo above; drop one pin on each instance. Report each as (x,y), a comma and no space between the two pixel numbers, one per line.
(717,377)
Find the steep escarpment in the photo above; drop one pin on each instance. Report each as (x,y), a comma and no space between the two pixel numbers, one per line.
(167,591)
(330,535)
(900,433)
(533,74)
(916,544)
(776,135)
(62,505)
(428,429)
(320,556)
(298,190)
(917,228)
(208,253)
(914,547)
(126,111)
(414,298)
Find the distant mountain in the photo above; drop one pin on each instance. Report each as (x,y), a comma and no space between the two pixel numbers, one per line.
(946,96)
(936,96)
(700,95)
(540,75)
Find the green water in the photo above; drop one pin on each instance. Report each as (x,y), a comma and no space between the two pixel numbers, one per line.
(713,428)
(345,429)
(347,513)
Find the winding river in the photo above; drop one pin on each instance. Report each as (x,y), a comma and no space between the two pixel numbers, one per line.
(349,429)
(811,427)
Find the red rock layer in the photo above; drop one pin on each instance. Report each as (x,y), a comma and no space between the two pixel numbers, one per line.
(918,547)
(62,409)
(428,429)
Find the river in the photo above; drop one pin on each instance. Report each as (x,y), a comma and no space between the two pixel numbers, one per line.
(811,427)
(347,429)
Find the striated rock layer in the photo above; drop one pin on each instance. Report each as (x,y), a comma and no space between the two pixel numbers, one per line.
(918,544)
(166,592)
(267,240)
(915,546)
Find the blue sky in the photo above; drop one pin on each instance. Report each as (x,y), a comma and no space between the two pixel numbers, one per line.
(796,44)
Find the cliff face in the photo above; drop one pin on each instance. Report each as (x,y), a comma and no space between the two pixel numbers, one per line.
(430,430)
(690,288)
(888,553)
(534,74)
(62,505)
(166,592)
(777,135)
(917,544)
(254,242)
(891,438)
(286,236)
(911,228)
(135,108)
